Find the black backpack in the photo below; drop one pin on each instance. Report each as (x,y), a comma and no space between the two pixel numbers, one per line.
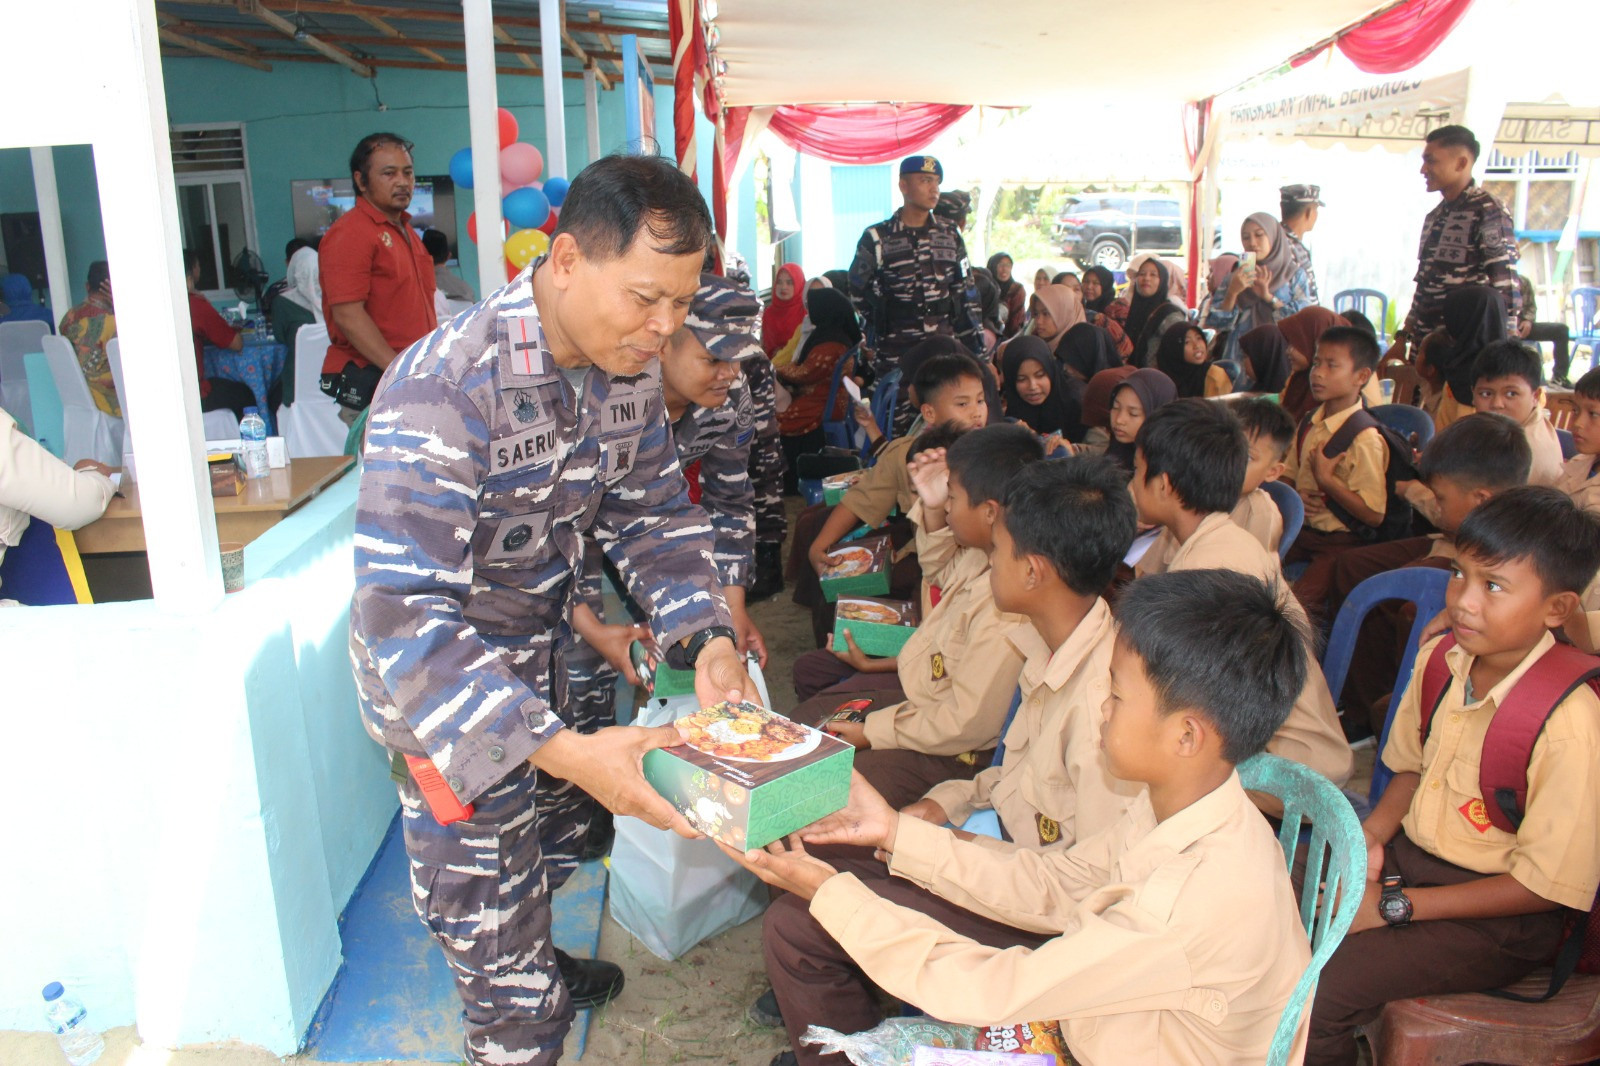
(1399,467)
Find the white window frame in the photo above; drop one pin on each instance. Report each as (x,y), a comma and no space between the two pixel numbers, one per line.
(209,179)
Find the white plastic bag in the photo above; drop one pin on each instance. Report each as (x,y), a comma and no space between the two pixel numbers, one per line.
(669,892)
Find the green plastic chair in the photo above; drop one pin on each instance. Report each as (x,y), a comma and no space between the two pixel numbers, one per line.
(1336,857)
(353,439)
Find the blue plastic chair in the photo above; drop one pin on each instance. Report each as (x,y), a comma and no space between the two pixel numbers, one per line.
(1359,300)
(1293,509)
(1336,858)
(1412,423)
(1585,304)
(839,433)
(1233,369)
(1422,586)
(884,398)
(1569,447)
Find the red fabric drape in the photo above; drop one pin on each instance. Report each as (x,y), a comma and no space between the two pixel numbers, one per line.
(688,56)
(1397,39)
(875,133)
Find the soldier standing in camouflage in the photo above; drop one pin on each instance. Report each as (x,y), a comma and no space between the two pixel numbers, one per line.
(911,277)
(1467,240)
(1298,206)
(494,444)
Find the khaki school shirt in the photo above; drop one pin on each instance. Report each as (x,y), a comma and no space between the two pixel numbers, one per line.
(885,486)
(1360,468)
(1579,479)
(959,669)
(1546,447)
(1259,516)
(1555,853)
(1311,735)
(1053,785)
(1176,943)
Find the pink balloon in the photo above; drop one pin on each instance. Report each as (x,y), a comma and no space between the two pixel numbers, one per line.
(520,164)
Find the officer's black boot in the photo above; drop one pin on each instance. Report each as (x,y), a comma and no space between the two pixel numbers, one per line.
(769,573)
(602,831)
(590,982)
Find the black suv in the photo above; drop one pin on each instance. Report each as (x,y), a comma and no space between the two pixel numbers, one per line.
(1108,229)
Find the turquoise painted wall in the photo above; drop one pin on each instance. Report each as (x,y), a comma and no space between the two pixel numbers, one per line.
(80,205)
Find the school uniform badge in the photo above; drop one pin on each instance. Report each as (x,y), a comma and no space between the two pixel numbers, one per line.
(1476,814)
(1049,830)
(937,664)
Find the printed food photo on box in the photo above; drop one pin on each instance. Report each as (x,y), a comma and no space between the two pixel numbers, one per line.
(748,776)
(860,567)
(878,626)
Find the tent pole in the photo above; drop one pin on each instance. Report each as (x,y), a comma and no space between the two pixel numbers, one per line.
(55,247)
(591,111)
(483,124)
(555,113)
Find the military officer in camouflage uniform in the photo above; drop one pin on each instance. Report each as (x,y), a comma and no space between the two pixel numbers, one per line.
(713,419)
(494,444)
(911,278)
(766,478)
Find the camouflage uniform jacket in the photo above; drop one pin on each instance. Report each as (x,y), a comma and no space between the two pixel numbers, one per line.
(1300,256)
(911,283)
(1465,241)
(482,473)
(720,438)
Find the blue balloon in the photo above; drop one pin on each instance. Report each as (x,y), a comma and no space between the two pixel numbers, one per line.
(526,208)
(461,168)
(555,190)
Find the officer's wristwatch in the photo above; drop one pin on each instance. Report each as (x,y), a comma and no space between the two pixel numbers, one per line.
(697,641)
(1394,906)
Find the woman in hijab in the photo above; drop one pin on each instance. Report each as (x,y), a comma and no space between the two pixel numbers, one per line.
(1150,310)
(1266,358)
(1054,309)
(1085,350)
(1185,358)
(1041,278)
(1300,332)
(1037,393)
(1099,291)
(1097,409)
(1132,401)
(808,378)
(782,316)
(1475,317)
(1270,289)
(1013,297)
(299,304)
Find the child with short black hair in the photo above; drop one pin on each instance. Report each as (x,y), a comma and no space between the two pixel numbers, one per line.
(1190,461)
(1508,379)
(1466,464)
(1171,936)
(1270,433)
(1579,481)
(958,670)
(1454,901)
(1345,494)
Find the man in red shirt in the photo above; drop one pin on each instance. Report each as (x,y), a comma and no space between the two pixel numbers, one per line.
(377,278)
(211,328)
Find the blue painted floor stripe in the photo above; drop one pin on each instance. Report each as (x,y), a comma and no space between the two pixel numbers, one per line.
(393,998)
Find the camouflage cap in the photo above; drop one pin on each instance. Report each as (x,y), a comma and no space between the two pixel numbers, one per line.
(724,318)
(921,164)
(1301,194)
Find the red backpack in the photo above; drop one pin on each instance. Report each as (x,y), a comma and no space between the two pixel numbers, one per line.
(1503,769)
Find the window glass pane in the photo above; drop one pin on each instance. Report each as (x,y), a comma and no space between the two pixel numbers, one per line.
(1117,203)
(1158,208)
(194,222)
(232,236)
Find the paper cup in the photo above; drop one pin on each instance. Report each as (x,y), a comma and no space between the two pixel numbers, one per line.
(232,565)
(277,453)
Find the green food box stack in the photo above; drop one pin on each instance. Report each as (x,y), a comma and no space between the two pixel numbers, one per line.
(878,626)
(834,486)
(662,681)
(750,788)
(859,568)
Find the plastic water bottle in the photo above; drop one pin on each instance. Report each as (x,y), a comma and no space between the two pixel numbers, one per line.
(253,433)
(70,1022)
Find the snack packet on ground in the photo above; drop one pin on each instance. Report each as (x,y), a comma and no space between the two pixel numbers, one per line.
(891,1042)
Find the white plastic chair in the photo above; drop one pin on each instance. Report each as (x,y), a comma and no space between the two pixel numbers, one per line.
(220,424)
(452,308)
(90,433)
(311,425)
(17,339)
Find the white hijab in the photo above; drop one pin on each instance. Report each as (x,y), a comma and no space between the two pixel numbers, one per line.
(305,281)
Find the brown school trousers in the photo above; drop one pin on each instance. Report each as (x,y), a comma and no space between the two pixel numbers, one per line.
(1421,959)
(822,671)
(816,981)
(1321,550)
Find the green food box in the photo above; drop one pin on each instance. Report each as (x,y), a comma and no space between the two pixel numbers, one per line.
(659,679)
(860,568)
(749,776)
(834,486)
(878,626)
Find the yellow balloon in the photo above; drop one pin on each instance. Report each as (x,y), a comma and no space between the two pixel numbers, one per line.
(526,245)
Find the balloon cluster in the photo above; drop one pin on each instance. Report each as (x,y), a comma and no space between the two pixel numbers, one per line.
(529,208)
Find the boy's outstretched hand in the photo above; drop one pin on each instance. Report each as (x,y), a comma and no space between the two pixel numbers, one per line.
(866,821)
(786,865)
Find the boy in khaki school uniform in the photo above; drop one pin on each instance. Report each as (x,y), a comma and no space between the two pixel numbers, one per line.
(1056,546)
(1345,360)
(1580,480)
(1453,903)
(1190,456)
(959,669)
(1269,431)
(1170,938)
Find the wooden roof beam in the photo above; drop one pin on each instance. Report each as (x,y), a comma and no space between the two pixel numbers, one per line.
(390,12)
(599,29)
(296,34)
(502,35)
(578,52)
(387,30)
(412,64)
(173,37)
